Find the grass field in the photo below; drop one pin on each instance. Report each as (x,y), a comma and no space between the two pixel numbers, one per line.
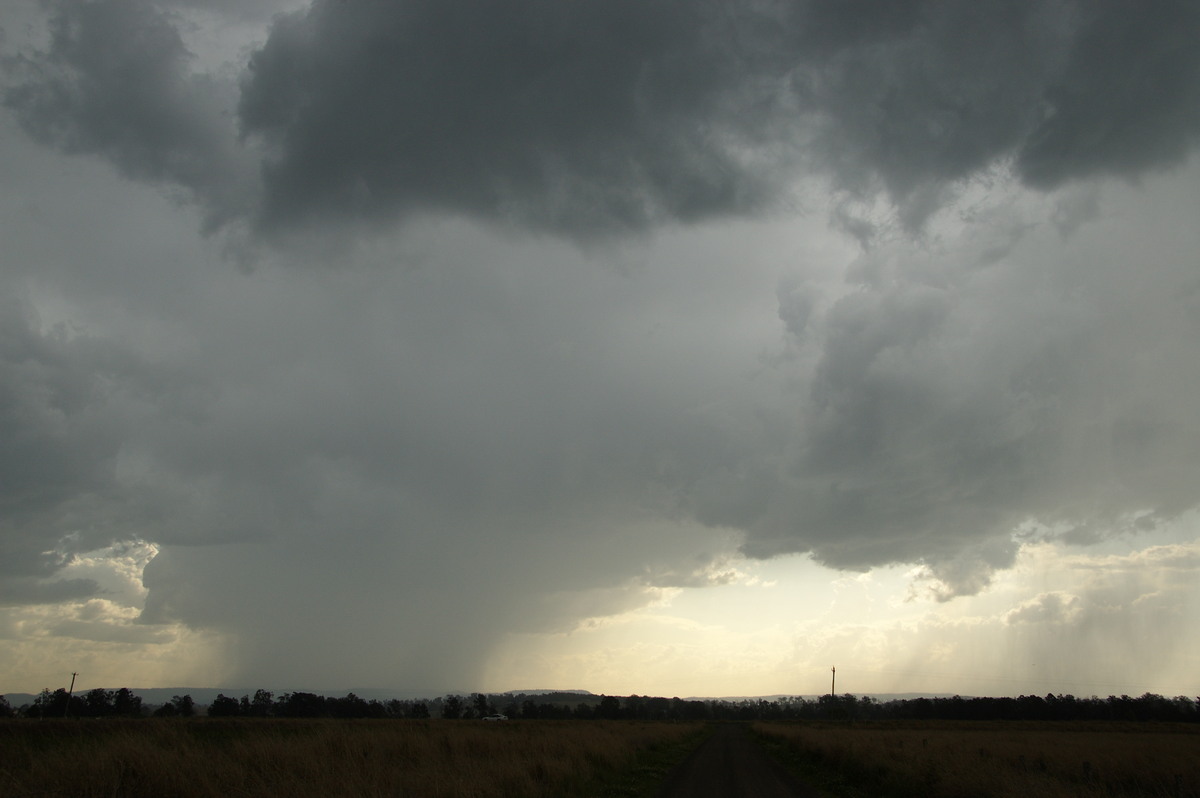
(298,758)
(946,759)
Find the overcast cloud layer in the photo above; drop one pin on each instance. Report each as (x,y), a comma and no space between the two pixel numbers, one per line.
(548,307)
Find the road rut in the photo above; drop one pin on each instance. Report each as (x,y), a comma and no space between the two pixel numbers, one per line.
(731,765)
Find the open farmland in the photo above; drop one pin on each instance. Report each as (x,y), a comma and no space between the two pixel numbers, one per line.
(220,758)
(996,759)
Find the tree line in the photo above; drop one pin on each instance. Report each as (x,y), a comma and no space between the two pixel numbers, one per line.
(98,703)
(124,703)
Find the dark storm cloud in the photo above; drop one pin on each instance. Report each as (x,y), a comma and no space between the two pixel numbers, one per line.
(1128,98)
(917,96)
(61,437)
(592,118)
(576,116)
(115,81)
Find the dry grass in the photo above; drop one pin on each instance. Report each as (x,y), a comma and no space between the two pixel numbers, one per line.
(996,760)
(227,758)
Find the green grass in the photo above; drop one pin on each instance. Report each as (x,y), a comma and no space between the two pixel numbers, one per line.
(644,777)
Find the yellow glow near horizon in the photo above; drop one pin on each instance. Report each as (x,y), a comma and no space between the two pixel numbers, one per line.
(781,627)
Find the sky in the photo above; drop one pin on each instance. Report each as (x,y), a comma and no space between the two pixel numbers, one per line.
(638,346)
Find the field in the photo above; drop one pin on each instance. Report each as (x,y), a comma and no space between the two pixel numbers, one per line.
(947,759)
(208,757)
(298,758)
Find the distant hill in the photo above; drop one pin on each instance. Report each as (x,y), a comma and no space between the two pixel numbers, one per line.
(204,695)
(16,700)
(546,692)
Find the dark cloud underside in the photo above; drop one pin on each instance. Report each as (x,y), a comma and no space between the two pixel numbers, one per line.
(567,116)
(592,118)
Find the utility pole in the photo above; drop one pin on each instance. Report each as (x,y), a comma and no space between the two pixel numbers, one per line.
(70,693)
(833,682)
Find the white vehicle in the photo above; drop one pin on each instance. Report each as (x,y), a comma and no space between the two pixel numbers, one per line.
(494,717)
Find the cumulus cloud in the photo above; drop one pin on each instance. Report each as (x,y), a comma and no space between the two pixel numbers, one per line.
(1055,607)
(956,393)
(103,621)
(1110,615)
(1182,558)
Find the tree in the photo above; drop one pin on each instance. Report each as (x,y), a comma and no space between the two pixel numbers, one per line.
(609,708)
(50,704)
(452,707)
(185,707)
(167,710)
(224,707)
(656,709)
(126,704)
(301,705)
(261,705)
(6,710)
(350,707)
(483,705)
(99,703)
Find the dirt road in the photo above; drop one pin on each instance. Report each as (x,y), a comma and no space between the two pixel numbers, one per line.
(731,765)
